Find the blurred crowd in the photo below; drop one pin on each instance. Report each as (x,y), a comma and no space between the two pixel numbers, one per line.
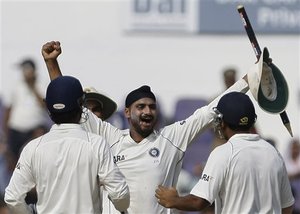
(23,117)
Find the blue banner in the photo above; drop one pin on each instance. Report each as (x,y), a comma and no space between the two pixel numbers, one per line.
(266,16)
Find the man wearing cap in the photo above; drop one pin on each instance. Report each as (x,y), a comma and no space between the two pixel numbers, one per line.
(244,175)
(67,165)
(25,114)
(101,105)
(145,156)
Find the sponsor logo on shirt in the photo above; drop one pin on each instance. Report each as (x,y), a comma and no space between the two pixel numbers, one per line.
(205,177)
(118,158)
(154,152)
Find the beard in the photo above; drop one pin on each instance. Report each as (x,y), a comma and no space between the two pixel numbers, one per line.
(142,126)
(144,132)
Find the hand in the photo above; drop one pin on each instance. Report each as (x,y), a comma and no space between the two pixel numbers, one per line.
(166,196)
(51,50)
(266,63)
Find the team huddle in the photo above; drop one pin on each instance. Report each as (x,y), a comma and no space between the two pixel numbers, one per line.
(86,165)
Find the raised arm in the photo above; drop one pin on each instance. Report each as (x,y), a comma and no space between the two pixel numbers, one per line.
(50,51)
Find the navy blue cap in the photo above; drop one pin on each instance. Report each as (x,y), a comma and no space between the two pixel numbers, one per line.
(63,94)
(139,93)
(237,109)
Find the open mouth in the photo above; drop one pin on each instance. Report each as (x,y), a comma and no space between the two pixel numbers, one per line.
(146,120)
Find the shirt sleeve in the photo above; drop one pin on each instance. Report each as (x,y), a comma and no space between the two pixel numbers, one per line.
(20,184)
(212,178)
(95,125)
(287,198)
(113,180)
(239,86)
(183,132)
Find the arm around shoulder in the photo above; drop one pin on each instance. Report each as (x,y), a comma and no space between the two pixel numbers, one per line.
(191,203)
(169,198)
(112,179)
(287,210)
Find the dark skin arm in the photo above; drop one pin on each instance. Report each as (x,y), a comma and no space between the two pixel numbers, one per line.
(50,51)
(169,198)
(38,96)
(287,210)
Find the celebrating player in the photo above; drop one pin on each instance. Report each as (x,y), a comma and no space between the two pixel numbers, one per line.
(67,165)
(145,156)
(245,175)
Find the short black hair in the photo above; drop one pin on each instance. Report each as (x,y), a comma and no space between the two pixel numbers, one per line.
(29,63)
(238,128)
(67,117)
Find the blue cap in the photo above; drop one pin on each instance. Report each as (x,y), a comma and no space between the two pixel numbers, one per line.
(139,93)
(63,94)
(237,109)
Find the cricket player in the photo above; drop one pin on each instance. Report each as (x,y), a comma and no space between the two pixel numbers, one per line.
(145,156)
(101,105)
(67,165)
(245,175)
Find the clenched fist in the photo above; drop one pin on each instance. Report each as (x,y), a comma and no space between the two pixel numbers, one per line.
(51,50)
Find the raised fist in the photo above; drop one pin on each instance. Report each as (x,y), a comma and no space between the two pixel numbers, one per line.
(51,50)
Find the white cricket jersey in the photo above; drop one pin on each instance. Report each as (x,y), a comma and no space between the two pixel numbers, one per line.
(158,158)
(245,175)
(67,167)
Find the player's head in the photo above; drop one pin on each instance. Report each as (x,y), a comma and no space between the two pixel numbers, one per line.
(101,105)
(236,113)
(141,111)
(229,77)
(28,68)
(28,64)
(63,99)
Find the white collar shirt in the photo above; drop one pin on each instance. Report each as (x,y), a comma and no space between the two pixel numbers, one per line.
(157,159)
(245,175)
(67,167)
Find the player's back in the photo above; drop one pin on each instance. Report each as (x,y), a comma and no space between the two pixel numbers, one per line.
(254,176)
(65,166)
